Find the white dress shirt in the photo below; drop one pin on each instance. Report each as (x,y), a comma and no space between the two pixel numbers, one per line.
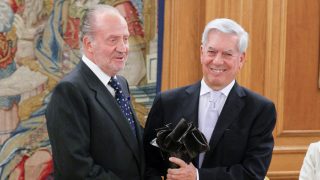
(205,126)
(104,78)
(218,103)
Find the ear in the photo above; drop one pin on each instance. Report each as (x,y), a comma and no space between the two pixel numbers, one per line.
(242,60)
(201,53)
(201,49)
(87,44)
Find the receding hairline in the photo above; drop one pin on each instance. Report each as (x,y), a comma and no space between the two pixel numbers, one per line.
(104,10)
(90,22)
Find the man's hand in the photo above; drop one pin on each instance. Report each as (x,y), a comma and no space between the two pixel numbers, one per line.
(185,172)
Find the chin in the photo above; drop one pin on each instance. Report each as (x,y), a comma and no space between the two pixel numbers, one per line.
(216,83)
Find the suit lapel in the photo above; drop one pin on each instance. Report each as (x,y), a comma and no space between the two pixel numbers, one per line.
(109,104)
(190,106)
(229,113)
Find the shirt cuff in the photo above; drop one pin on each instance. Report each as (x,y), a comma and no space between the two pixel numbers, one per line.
(197,175)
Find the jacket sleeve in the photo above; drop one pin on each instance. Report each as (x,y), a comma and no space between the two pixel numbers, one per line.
(68,126)
(155,166)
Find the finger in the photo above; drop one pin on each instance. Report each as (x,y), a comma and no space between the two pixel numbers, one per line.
(174,171)
(172,177)
(178,161)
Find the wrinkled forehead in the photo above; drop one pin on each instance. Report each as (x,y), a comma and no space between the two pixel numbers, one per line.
(110,26)
(108,19)
(222,41)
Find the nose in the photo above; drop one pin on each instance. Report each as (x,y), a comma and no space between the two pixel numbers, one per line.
(122,46)
(218,59)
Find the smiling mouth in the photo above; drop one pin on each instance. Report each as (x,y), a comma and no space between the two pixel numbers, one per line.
(215,70)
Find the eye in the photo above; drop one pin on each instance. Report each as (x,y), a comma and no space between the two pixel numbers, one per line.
(212,52)
(125,39)
(112,41)
(227,55)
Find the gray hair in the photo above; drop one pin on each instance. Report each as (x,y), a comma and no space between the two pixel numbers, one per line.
(227,26)
(89,16)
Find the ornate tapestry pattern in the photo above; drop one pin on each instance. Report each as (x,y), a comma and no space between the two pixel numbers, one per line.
(38,46)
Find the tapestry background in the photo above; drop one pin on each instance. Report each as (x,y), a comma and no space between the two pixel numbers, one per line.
(38,46)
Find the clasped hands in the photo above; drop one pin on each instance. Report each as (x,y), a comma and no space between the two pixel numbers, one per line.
(184,172)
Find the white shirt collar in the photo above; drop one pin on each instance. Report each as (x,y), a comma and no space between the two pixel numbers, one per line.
(104,78)
(206,89)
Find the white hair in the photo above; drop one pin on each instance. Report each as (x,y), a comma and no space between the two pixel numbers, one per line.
(227,26)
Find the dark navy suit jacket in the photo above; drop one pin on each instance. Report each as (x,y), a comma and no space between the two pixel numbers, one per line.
(241,144)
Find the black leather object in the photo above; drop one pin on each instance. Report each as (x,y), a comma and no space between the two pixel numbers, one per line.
(185,141)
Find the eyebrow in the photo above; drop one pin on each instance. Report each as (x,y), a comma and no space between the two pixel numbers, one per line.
(212,48)
(115,36)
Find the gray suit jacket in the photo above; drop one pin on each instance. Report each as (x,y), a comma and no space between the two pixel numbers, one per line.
(89,135)
(241,144)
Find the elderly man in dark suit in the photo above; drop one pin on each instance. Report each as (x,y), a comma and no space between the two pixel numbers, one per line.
(92,127)
(237,122)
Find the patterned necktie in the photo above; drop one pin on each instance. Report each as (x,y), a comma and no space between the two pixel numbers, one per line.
(123,102)
(211,117)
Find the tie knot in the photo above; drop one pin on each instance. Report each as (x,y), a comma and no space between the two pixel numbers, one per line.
(114,84)
(214,95)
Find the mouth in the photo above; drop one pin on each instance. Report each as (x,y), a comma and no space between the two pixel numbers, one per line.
(120,58)
(217,70)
